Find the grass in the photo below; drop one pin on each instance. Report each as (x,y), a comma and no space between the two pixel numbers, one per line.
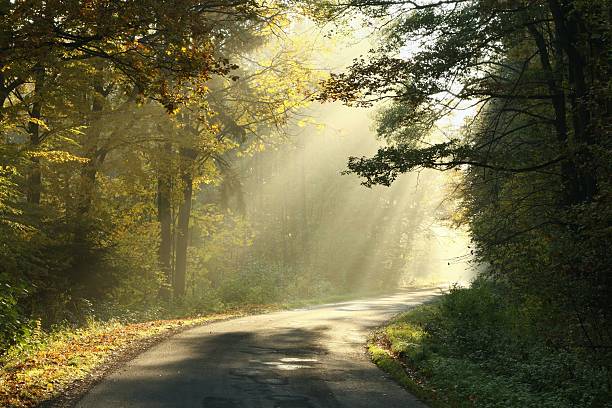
(47,364)
(466,349)
(393,346)
(392,366)
(336,298)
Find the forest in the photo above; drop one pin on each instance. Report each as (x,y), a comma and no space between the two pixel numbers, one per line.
(172,158)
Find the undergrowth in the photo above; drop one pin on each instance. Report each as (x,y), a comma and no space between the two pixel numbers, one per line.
(43,363)
(470,348)
(47,363)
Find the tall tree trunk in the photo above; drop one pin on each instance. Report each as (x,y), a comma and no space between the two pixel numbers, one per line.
(87,183)
(34,179)
(569,32)
(82,247)
(164,215)
(182,228)
(94,153)
(182,236)
(558,99)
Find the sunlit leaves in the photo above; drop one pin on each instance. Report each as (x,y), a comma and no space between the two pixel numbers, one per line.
(58,156)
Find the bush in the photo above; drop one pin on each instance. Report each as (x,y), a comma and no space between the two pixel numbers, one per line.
(13,325)
(469,347)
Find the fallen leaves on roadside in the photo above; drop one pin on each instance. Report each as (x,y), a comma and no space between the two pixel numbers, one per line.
(40,373)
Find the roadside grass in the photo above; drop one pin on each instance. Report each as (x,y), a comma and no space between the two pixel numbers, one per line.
(399,372)
(465,349)
(389,347)
(337,298)
(48,363)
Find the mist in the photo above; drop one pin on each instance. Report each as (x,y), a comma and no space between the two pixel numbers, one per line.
(221,189)
(317,231)
(164,164)
(309,230)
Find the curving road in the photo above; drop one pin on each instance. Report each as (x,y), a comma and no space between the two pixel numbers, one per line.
(305,358)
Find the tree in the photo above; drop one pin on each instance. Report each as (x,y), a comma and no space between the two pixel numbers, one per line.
(245,113)
(87,92)
(482,53)
(536,153)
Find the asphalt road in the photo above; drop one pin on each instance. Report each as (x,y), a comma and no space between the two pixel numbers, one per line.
(305,358)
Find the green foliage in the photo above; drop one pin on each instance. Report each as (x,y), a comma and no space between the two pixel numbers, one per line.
(13,322)
(535,157)
(469,349)
(396,370)
(263,285)
(97,112)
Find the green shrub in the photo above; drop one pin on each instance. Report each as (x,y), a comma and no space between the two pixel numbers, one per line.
(473,347)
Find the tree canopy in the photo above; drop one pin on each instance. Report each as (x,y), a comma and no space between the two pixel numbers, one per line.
(532,79)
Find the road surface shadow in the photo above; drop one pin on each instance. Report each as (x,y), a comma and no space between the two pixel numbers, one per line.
(237,369)
(302,360)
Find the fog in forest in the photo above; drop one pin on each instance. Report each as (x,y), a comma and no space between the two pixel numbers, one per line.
(310,216)
(311,230)
(227,189)
(165,163)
